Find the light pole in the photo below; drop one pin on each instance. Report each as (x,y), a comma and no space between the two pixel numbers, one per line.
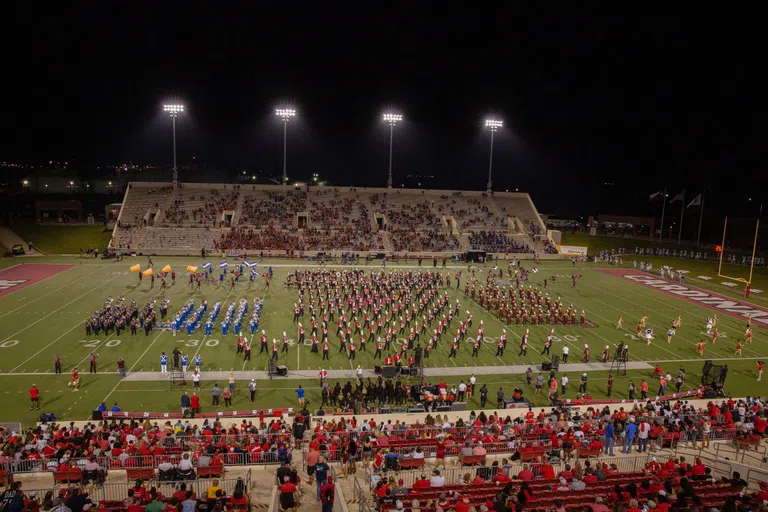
(173,111)
(392,119)
(285,114)
(492,125)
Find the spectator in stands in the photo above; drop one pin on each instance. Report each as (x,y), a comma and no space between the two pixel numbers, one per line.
(577,484)
(328,495)
(526,475)
(436,480)
(599,506)
(563,485)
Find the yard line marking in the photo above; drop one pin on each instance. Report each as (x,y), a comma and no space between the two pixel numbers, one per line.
(59,309)
(94,350)
(689,308)
(141,356)
(47,294)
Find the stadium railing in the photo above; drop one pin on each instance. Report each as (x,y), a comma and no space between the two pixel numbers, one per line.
(119,491)
(454,474)
(131,462)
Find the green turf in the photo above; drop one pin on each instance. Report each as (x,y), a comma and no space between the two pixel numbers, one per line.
(46,319)
(63,239)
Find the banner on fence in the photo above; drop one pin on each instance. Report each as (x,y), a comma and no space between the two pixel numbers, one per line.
(572,250)
(219,414)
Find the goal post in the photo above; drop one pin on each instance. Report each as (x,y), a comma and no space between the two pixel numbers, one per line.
(747,282)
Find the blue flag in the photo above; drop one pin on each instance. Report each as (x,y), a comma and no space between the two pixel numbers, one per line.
(223,264)
(207,265)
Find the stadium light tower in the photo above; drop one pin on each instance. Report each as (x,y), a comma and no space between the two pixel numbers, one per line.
(493,125)
(392,119)
(285,115)
(173,111)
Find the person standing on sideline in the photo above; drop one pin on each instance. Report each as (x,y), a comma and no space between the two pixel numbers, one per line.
(608,439)
(57,364)
(195,403)
(196,379)
(300,395)
(186,403)
(121,367)
(92,357)
(483,396)
(328,495)
(565,354)
(610,384)
(216,392)
(563,384)
(252,389)
(34,397)
(760,368)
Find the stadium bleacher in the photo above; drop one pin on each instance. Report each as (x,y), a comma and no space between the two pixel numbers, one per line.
(288,218)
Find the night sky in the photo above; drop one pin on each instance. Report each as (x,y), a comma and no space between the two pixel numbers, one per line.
(637,98)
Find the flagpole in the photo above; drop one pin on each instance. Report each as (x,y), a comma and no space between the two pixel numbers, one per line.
(663,208)
(701,216)
(682,211)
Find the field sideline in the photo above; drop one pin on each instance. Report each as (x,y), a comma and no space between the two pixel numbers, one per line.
(46,318)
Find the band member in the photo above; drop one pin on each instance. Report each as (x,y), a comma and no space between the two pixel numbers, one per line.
(263,340)
(246,350)
(325,351)
(700,348)
(500,348)
(274,349)
(586,353)
(285,343)
(606,354)
(476,348)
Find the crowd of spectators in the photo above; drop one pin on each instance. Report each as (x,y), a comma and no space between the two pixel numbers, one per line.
(351,239)
(532,227)
(210,213)
(412,216)
(277,209)
(422,241)
(496,241)
(337,211)
(127,444)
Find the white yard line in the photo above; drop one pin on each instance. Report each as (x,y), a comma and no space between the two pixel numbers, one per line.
(60,308)
(47,294)
(143,353)
(688,308)
(94,350)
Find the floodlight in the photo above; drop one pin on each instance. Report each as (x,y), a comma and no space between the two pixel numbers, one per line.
(392,118)
(493,124)
(173,109)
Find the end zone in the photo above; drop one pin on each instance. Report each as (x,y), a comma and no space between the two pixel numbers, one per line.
(721,304)
(19,277)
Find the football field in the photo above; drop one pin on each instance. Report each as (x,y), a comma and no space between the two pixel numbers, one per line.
(44,303)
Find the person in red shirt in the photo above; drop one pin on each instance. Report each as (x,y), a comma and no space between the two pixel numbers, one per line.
(287,494)
(194,402)
(526,475)
(422,484)
(34,397)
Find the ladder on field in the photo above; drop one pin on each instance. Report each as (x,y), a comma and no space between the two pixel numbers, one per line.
(176,378)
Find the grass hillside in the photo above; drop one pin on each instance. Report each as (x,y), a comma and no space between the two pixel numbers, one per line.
(62,239)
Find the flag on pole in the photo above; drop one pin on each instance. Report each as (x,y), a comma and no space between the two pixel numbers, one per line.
(191,268)
(223,264)
(147,272)
(254,272)
(166,269)
(245,262)
(252,264)
(658,195)
(135,268)
(678,197)
(695,202)
(207,265)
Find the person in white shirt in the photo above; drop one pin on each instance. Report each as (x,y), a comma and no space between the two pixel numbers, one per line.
(642,435)
(186,462)
(565,354)
(417,453)
(436,480)
(564,383)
